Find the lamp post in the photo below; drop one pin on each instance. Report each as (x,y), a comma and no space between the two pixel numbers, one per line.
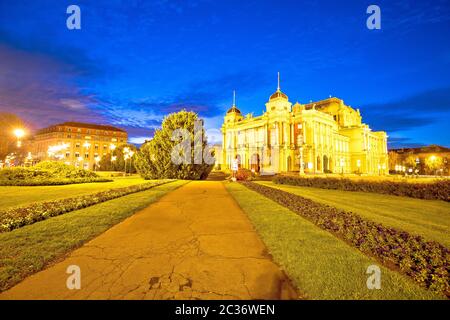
(112,147)
(433,160)
(113,159)
(126,156)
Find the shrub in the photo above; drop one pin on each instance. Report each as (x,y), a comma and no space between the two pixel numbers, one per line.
(47,173)
(244,175)
(439,190)
(62,170)
(14,218)
(154,159)
(426,262)
(17,173)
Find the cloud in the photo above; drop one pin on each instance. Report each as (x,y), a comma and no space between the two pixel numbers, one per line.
(418,110)
(42,90)
(403,142)
(210,98)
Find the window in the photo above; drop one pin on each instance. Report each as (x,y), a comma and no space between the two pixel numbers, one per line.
(96,147)
(69,136)
(67,154)
(86,155)
(77,145)
(77,154)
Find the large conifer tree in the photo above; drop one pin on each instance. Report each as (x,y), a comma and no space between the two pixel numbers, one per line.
(154,160)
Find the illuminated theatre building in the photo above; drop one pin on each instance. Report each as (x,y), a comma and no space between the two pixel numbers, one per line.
(326,136)
(78,144)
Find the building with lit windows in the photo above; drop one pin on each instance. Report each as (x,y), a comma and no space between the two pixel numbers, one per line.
(326,136)
(78,144)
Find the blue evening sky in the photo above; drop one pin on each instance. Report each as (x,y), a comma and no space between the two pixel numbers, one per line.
(135,61)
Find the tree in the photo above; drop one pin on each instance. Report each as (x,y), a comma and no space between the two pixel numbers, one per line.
(393,159)
(8,122)
(118,163)
(434,163)
(410,161)
(156,160)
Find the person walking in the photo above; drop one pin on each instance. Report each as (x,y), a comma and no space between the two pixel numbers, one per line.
(234,168)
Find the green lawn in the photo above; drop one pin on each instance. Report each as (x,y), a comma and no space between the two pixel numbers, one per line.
(320,265)
(428,218)
(19,196)
(29,249)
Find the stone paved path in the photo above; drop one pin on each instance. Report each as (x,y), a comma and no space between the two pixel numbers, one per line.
(195,243)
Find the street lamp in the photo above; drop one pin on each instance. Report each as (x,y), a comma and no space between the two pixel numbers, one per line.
(125,157)
(19,133)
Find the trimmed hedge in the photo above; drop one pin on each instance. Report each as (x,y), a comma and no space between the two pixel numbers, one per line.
(51,182)
(47,173)
(439,190)
(14,218)
(426,262)
(62,170)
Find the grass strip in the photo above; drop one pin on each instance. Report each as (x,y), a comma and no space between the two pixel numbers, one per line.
(319,264)
(428,218)
(30,249)
(14,218)
(427,262)
(438,190)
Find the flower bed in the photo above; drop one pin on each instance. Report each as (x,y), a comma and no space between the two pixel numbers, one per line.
(439,190)
(426,262)
(51,182)
(14,218)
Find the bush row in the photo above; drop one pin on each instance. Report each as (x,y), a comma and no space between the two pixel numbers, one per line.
(439,190)
(426,262)
(14,218)
(62,170)
(46,173)
(51,182)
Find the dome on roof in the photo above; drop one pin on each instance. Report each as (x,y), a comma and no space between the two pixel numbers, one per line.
(233,109)
(278,94)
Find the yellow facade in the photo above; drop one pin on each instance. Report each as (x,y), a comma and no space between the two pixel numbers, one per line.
(321,137)
(78,144)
